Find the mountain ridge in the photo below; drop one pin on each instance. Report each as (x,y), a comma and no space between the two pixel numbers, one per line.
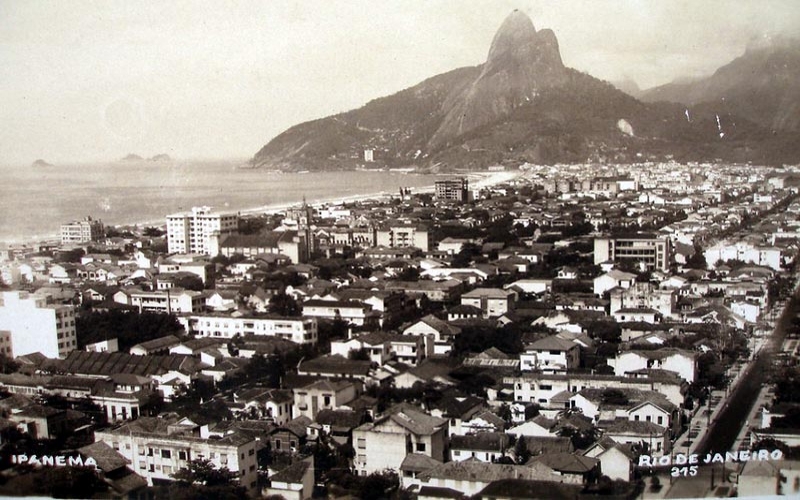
(521,105)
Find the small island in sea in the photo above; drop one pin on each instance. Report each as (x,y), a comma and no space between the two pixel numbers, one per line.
(159,157)
(41,163)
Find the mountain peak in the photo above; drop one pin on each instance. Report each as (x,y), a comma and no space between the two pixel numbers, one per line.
(521,62)
(516,30)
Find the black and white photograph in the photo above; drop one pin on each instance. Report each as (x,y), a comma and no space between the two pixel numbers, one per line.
(399,249)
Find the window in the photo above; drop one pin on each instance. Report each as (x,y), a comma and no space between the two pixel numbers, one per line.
(456,453)
(362,443)
(251,452)
(167,469)
(660,420)
(252,468)
(420,446)
(142,465)
(182,455)
(166,454)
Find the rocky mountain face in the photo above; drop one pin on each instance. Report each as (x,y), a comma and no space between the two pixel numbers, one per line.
(524,105)
(762,85)
(520,64)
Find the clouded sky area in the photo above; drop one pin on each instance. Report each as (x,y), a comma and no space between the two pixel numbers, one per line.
(94,81)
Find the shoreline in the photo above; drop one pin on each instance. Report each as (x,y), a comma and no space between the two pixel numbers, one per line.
(478,180)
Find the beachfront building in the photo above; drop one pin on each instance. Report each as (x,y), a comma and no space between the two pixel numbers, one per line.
(158,447)
(649,251)
(32,323)
(452,190)
(81,231)
(298,330)
(190,232)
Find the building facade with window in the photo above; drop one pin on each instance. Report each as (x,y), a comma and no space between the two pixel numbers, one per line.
(35,323)
(650,252)
(81,231)
(191,232)
(298,330)
(159,447)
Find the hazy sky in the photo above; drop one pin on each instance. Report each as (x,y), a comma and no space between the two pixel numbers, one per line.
(85,81)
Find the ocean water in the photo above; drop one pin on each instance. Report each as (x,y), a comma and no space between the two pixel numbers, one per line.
(35,201)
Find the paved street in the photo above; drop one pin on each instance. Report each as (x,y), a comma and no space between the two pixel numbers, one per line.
(724,424)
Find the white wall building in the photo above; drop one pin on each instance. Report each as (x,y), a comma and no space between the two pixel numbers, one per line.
(157,448)
(190,232)
(32,323)
(298,330)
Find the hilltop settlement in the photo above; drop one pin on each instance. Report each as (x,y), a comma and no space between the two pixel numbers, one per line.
(527,338)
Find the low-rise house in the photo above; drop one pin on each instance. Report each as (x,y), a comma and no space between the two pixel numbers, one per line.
(760,478)
(337,424)
(290,436)
(161,345)
(471,476)
(39,421)
(464,312)
(569,467)
(492,302)
(437,333)
(542,388)
(483,421)
(485,446)
(653,438)
(457,408)
(354,312)
(321,395)
(551,355)
(645,315)
(680,361)
(613,279)
(113,469)
(402,430)
(295,482)
(337,367)
(444,291)
(616,460)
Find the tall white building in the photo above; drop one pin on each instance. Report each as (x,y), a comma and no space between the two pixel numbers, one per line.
(190,232)
(32,323)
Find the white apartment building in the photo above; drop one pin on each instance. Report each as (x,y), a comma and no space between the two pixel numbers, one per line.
(298,330)
(648,251)
(81,231)
(158,447)
(402,236)
(32,323)
(190,232)
(175,300)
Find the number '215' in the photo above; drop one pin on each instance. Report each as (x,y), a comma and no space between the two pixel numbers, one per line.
(683,471)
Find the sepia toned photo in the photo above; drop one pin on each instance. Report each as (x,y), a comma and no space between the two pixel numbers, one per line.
(405,250)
